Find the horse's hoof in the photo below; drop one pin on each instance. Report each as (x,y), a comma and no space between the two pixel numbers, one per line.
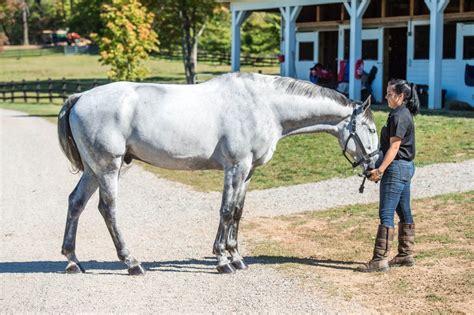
(239,265)
(227,268)
(73,267)
(136,270)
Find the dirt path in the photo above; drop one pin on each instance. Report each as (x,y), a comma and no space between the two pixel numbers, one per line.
(169,227)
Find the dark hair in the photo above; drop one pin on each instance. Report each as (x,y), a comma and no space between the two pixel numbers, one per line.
(410,94)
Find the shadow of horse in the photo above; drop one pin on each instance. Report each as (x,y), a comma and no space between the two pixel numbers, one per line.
(204,265)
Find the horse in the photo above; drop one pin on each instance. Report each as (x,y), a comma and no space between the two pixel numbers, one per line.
(232,122)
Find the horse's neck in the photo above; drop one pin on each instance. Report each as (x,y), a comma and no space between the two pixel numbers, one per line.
(300,114)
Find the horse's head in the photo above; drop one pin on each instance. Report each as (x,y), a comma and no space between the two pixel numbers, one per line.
(358,137)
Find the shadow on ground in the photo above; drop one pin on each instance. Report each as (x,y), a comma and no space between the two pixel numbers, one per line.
(205,265)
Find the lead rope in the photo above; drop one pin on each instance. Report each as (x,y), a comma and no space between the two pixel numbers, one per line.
(361,188)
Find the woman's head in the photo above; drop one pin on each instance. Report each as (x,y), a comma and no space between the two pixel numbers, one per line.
(401,92)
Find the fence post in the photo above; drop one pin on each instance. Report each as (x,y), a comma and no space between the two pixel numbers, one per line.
(24,91)
(3,92)
(38,86)
(64,89)
(94,84)
(78,89)
(12,91)
(50,90)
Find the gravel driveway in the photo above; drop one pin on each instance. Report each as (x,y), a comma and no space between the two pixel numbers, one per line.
(168,226)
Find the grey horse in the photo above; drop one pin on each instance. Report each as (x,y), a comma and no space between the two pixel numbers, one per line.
(232,123)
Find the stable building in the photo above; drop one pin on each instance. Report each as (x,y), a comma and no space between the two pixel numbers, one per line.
(428,42)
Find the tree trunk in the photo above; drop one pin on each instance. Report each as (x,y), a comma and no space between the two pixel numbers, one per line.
(26,40)
(187,46)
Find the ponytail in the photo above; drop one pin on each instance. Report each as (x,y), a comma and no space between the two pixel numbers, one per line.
(413,103)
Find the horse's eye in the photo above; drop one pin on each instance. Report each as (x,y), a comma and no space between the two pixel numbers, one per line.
(372,130)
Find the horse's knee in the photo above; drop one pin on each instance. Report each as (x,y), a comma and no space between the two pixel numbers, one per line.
(227,215)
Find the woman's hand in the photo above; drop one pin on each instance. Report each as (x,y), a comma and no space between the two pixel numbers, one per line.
(375,175)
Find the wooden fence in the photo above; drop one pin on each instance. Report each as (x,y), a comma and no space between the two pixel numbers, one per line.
(217,57)
(223,57)
(35,91)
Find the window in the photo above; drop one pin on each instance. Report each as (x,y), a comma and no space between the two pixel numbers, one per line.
(422,42)
(370,49)
(468,47)
(449,41)
(306,51)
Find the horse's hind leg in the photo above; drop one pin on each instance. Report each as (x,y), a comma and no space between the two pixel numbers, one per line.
(108,189)
(77,201)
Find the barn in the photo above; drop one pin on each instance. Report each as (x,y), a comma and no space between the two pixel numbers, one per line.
(428,42)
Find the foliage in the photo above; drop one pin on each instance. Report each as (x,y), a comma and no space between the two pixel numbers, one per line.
(85,18)
(459,105)
(217,35)
(180,24)
(261,34)
(127,40)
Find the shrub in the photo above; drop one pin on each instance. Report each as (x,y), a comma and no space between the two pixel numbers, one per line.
(459,105)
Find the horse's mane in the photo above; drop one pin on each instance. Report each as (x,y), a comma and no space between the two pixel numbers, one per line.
(297,87)
(302,88)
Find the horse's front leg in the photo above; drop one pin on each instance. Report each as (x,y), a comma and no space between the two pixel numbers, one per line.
(108,189)
(234,177)
(233,239)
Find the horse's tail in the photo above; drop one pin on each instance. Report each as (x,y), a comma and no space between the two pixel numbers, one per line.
(66,139)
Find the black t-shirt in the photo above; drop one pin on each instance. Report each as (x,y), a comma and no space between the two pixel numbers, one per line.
(399,124)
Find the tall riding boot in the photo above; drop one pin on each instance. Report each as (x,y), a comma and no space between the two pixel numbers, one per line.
(383,243)
(406,243)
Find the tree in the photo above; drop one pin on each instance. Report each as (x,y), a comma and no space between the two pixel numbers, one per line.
(127,39)
(261,34)
(181,23)
(8,10)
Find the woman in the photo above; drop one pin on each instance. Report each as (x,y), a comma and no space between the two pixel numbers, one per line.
(397,141)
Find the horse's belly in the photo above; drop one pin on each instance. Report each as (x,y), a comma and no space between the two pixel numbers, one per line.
(173,157)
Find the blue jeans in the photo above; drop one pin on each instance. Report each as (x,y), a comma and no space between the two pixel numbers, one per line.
(395,193)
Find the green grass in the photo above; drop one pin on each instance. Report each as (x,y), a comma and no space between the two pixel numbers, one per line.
(311,158)
(330,244)
(441,136)
(57,66)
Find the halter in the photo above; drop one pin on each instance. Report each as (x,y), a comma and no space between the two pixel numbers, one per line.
(365,156)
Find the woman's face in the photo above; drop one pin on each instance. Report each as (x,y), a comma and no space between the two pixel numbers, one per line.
(394,100)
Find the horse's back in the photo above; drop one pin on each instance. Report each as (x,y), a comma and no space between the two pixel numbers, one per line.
(173,126)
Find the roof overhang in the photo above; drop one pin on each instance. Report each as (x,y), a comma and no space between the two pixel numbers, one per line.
(249,5)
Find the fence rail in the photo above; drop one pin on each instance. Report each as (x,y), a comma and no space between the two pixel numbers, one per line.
(223,57)
(217,57)
(28,91)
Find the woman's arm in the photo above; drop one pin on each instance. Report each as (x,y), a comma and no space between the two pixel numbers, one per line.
(376,175)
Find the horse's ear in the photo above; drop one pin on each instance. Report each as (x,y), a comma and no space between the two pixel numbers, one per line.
(367,103)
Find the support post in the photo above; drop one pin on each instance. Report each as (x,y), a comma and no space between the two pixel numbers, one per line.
(356,10)
(238,18)
(437,8)
(289,14)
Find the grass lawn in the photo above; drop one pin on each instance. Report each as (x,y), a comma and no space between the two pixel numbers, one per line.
(311,158)
(441,136)
(57,66)
(322,249)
